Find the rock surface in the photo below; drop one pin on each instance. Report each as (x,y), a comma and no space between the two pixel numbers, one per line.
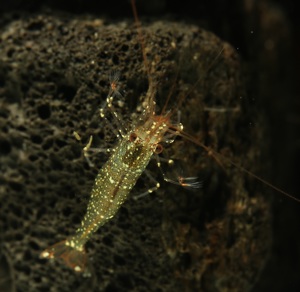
(54,73)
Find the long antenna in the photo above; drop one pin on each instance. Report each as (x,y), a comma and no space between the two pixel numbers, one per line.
(209,150)
(141,39)
(183,97)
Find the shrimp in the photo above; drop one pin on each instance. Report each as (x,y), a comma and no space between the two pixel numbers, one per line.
(118,176)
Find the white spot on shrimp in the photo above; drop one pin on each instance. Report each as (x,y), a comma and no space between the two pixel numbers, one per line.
(45,254)
(71,243)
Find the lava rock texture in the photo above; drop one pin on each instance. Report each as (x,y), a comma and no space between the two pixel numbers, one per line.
(54,77)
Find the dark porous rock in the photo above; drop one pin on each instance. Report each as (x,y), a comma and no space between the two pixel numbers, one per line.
(54,78)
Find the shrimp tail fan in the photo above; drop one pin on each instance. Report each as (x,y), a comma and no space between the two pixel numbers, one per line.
(74,258)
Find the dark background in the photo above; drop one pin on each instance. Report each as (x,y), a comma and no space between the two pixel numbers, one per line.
(274,74)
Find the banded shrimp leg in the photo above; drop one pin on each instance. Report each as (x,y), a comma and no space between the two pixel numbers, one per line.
(119,130)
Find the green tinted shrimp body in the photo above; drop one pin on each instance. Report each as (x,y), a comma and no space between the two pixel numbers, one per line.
(113,183)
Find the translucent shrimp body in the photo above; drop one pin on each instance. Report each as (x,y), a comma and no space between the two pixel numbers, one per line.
(114,181)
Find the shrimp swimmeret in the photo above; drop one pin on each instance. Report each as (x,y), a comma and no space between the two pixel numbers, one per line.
(118,176)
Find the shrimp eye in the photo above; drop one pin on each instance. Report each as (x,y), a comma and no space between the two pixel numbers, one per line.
(159,148)
(132,137)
